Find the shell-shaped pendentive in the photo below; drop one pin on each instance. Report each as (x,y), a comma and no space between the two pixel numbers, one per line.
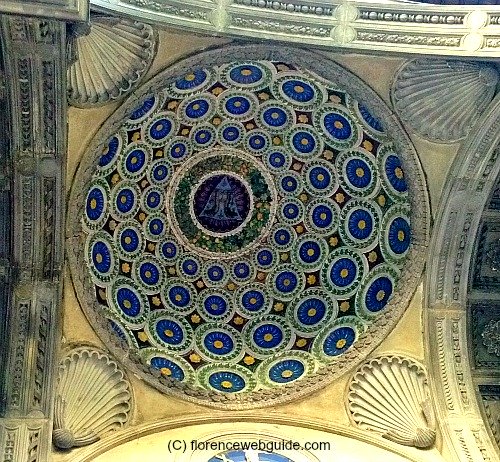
(93,398)
(440,99)
(390,395)
(112,59)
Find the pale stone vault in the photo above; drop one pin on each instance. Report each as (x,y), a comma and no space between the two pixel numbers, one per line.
(249,221)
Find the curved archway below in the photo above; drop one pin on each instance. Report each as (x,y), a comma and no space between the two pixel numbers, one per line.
(200,439)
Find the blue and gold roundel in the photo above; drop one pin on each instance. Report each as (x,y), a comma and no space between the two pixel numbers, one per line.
(189,267)
(251,75)
(129,302)
(266,335)
(359,176)
(276,117)
(178,149)
(168,368)
(395,239)
(169,365)
(299,91)
(361,222)
(244,225)
(286,371)
(160,129)
(252,300)
(216,305)
(337,337)
(96,205)
(101,257)
(159,172)
(129,238)
(109,154)
(169,251)
(231,133)
(285,368)
(179,296)
(343,271)
(310,310)
(192,82)
(309,252)
(226,378)
(219,342)
(149,273)
(204,136)
(322,216)
(171,333)
(303,142)
(143,111)
(320,179)
(286,281)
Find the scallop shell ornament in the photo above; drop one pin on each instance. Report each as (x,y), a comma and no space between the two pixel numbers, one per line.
(440,99)
(111,61)
(93,398)
(390,395)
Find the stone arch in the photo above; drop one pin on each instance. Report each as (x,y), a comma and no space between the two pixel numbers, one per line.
(470,183)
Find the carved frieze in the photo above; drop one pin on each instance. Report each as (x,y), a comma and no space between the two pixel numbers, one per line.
(491,337)
(404,27)
(33,167)
(487,261)
(64,10)
(24,440)
(491,402)
(484,334)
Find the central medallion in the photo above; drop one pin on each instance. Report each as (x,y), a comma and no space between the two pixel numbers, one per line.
(221,202)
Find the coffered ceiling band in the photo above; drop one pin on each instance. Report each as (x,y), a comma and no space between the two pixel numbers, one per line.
(389,26)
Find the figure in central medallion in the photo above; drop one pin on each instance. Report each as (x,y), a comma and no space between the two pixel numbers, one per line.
(221,203)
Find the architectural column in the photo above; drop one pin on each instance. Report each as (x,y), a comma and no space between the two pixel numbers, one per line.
(32,190)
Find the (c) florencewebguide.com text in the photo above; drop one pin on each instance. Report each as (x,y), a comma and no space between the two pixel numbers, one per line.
(255,445)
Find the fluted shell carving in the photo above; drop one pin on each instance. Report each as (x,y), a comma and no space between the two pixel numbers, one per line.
(390,395)
(440,99)
(93,398)
(111,60)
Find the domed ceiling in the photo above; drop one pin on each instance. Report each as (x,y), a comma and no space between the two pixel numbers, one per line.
(250,228)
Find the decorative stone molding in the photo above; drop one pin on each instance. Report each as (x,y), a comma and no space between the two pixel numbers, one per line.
(112,59)
(24,440)
(392,26)
(491,403)
(34,56)
(441,100)
(471,182)
(390,395)
(93,398)
(237,426)
(63,10)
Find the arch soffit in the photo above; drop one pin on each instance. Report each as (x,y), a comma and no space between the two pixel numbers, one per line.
(244,431)
(470,182)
